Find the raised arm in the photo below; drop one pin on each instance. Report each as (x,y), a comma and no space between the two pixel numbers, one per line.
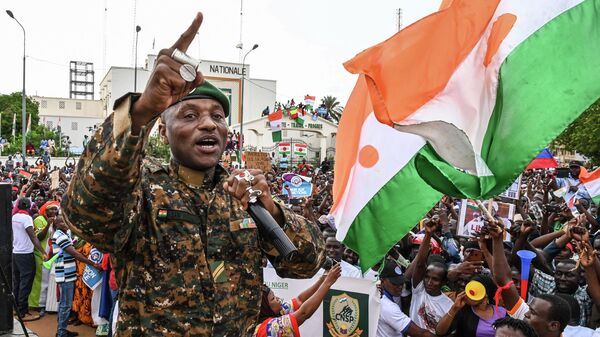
(420,261)
(501,267)
(308,308)
(102,203)
(306,294)
(588,259)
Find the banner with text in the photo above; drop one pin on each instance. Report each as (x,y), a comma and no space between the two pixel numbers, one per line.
(350,308)
(296,185)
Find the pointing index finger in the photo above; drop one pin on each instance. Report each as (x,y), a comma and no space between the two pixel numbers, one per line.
(187,37)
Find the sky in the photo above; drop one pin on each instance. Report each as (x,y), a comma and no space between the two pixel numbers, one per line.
(302,45)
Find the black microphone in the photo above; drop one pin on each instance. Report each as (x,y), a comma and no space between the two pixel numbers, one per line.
(269,229)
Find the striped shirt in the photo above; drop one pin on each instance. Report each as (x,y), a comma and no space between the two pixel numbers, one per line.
(66,270)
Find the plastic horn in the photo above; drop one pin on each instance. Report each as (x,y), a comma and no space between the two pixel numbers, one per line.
(48,264)
(526,258)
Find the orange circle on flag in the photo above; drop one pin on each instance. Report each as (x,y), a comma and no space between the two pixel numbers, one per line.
(368,156)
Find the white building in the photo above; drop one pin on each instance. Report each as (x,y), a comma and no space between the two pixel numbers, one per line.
(76,117)
(319,136)
(226,76)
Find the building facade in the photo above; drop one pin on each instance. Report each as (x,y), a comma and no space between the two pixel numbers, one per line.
(75,117)
(319,136)
(258,93)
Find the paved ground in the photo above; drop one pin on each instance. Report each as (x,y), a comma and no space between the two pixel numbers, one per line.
(46,327)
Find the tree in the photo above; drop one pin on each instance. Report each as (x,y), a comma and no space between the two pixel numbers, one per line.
(583,134)
(157,149)
(333,107)
(10,107)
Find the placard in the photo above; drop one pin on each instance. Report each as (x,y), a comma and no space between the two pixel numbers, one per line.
(92,277)
(54,179)
(299,186)
(471,219)
(513,191)
(258,160)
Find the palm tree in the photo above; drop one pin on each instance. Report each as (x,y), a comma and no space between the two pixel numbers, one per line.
(333,107)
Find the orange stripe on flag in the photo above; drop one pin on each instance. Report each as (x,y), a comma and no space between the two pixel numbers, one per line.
(355,113)
(414,65)
(500,30)
(585,176)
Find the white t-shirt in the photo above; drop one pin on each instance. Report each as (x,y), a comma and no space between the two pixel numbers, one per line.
(348,270)
(21,242)
(371,275)
(580,331)
(426,310)
(392,321)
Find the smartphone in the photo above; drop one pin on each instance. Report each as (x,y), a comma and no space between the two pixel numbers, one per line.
(475,256)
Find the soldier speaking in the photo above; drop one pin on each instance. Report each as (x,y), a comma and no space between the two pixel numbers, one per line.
(188,255)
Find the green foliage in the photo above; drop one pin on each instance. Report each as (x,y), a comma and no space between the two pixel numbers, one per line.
(583,135)
(11,105)
(157,149)
(334,109)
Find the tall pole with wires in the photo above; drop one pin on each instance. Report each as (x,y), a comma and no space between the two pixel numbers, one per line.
(241,145)
(23,98)
(137,31)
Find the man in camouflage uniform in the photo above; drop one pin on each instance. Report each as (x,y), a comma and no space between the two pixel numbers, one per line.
(188,255)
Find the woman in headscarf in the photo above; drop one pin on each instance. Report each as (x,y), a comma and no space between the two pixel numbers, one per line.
(43,230)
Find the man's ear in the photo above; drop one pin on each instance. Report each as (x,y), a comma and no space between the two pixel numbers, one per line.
(162,131)
(554,326)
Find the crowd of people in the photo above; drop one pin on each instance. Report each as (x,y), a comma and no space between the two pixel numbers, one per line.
(427,278)
(424,279)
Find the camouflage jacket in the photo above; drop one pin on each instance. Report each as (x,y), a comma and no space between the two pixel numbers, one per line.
(188,259)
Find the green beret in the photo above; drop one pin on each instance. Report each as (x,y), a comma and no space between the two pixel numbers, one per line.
(207,90)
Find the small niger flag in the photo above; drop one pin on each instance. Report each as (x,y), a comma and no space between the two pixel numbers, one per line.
(25,174)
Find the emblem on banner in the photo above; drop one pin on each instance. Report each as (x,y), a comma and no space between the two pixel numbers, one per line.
(344,312)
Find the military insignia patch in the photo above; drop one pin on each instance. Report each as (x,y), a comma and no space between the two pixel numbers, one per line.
(247,223)
(217,269)
(162,213)
(344,312)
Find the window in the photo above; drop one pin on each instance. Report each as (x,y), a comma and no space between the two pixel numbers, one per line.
(61,104)
(44,104)
(50,124)
(78,105)
(74,126)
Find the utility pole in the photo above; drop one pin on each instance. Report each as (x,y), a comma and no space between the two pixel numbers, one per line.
(399,18)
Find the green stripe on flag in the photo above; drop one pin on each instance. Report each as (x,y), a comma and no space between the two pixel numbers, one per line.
(544,85)
(392,212)
(276,135)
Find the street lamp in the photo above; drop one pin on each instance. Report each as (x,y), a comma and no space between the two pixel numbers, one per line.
(137,30)
(23,111)
(242,105)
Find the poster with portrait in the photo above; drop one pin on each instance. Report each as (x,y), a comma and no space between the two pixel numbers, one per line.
(471,219)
